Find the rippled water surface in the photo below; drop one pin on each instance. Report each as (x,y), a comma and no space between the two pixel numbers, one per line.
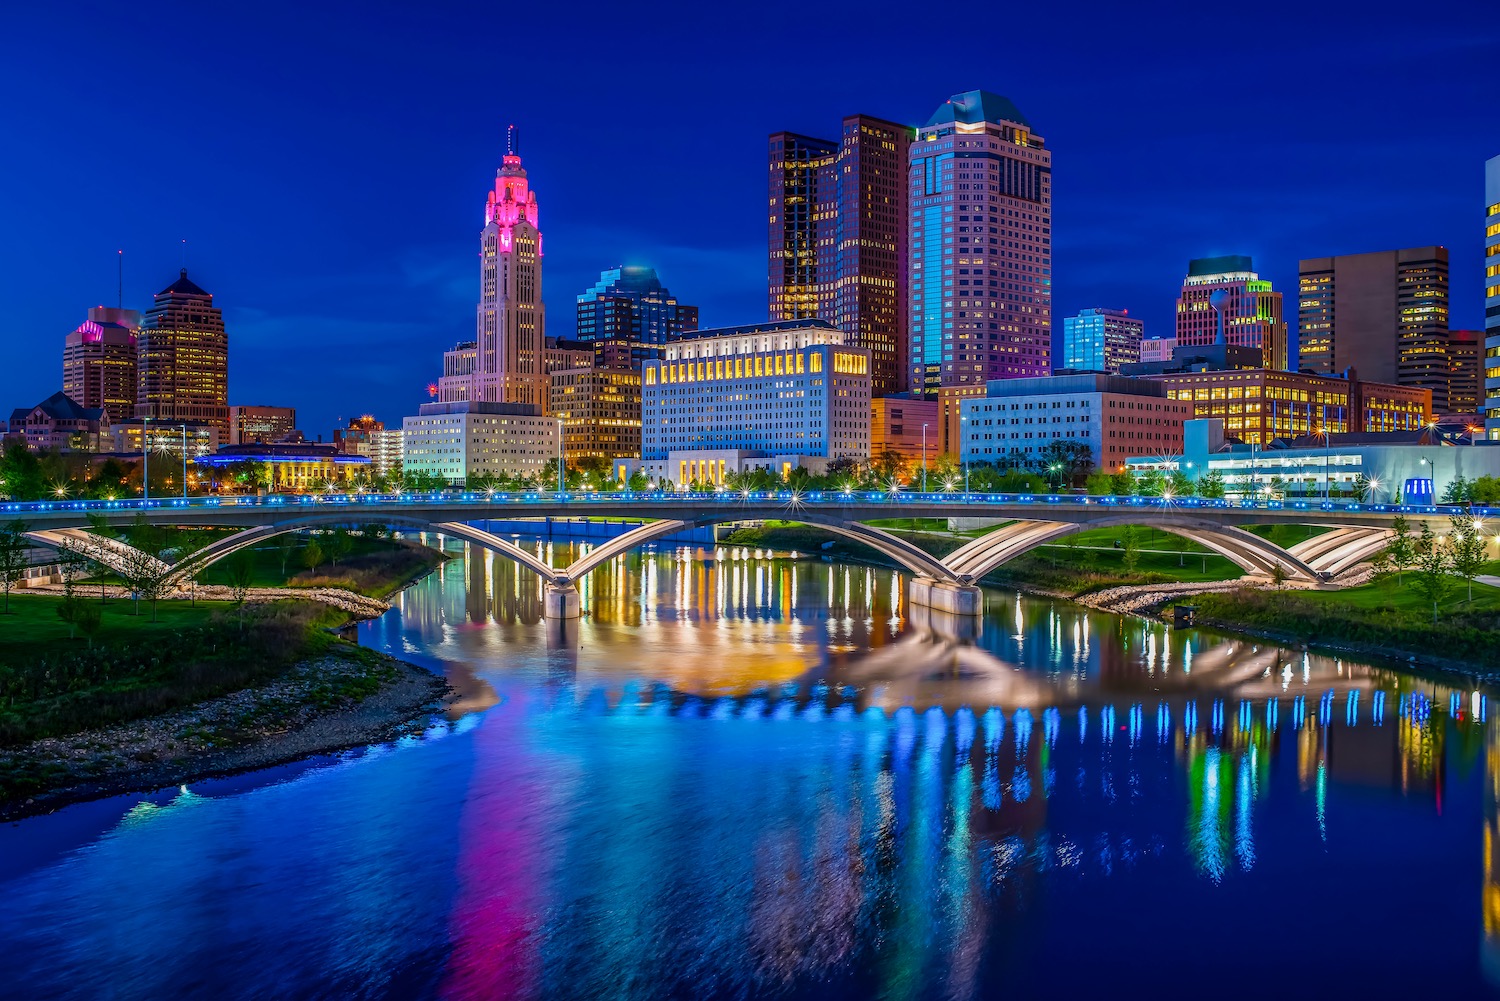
(748,776)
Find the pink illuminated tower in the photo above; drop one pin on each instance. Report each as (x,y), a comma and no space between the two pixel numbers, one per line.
(508,351)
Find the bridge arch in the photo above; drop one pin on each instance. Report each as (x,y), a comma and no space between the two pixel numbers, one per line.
(1246,550)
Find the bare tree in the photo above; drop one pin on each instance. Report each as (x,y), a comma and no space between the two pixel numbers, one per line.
(13,548)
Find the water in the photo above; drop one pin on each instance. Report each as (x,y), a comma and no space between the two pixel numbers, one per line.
(759,777)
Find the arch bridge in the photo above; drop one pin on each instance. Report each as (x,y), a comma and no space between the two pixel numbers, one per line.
(948,583)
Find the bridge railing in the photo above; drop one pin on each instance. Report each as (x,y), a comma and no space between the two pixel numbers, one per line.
(895,499)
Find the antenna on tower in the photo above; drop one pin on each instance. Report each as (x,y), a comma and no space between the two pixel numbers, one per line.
(510,141)
(184,254)
(120,281)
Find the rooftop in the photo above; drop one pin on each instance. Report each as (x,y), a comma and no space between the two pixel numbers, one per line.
(184,286)
(59,407)
(976,106)
(1202,267)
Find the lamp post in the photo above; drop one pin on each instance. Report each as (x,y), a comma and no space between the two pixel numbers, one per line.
(924,458)
(963,447)
(184,461)
(145,459)
(561,488)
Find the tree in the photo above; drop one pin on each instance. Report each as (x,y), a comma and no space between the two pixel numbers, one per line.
(1121,484)
(1279,576)
(73,561)
(1181,484)
(1211,485)
(1099,484)
(338,545)
(1131,556)
(13,549)
(1434,567)
(145,575)
(1362,488)
(1485,490)
(312,554)
(1457,490)
(1401,552)
(79,614)
(239,572)
(286,544)
(1466,551)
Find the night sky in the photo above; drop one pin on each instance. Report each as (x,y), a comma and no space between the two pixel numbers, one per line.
(327,165)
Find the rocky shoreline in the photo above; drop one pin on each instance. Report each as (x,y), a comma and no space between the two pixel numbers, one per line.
(332,703)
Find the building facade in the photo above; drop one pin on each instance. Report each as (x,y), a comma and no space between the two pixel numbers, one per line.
(1260,405)
(1017,420)
(791,388)
(260,425)
(182,351)
(130,438)
(838,234)
(1101,340)
(99,362)
(1492,298)
(60,423)
(1383,314)
(980,274)
(1465,352)
(1157,349)
(907,426)
(299,466)
(507,364)
(628,315)
(459,440)
(600,411)
(1224,301)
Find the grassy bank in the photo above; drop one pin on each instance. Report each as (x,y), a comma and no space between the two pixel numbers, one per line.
(1382,617)
(1081,563)
(373,566)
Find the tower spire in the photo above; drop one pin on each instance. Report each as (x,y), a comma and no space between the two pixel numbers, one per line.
(512,146)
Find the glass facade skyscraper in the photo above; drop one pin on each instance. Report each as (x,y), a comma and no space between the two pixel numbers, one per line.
(979,185)
(838,235)
(1492,298)
(628,316)
(1101,340)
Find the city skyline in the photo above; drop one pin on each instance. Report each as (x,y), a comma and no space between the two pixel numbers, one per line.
(367,314)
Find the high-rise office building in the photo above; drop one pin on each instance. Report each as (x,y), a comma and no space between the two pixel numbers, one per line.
(1224,301)
(1385,314)
(1465,371)
(980,266)
(261,425)
(182,354)
(838,237)
(600,411)
(99,362)
(1492,298)
(1101,340)
(510,335)
(628,315)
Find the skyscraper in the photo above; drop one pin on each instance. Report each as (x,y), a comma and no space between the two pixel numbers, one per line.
(1224,301)
(980,189)
(628,315)
(1101,340)
(838,237)
(99,362)
(510,326)
(1383,313)
(1465,371)
(182,353)
(1492,298)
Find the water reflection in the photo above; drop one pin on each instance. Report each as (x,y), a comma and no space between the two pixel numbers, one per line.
(748,776)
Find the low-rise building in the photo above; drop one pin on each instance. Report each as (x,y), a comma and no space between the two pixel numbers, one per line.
(1384,467)
(1017,420)
(1101,340)
(462,439)
(1155,349)
(710,467)
(1261,404)
(788,388)
(60,423)
(905,425)
(130,437)
(600,410)
(289,466)
(252,425)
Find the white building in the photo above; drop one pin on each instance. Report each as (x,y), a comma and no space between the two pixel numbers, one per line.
(1158,349)
(455,441)
(788,389)
(1118,418)
(386,449)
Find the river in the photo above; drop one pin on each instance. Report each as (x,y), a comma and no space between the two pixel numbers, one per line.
(748,775)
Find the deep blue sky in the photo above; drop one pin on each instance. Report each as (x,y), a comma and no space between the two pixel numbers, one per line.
(327,164)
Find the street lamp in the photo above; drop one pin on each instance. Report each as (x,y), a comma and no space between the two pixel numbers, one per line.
(963,448)
(560,482)
(1053,469)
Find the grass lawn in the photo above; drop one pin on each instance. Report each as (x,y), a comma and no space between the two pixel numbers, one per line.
(33,620)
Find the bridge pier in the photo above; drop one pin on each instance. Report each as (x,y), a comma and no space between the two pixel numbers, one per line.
(560,602)
(945,596)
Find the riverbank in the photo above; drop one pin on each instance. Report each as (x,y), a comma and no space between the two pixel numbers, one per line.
(344,699)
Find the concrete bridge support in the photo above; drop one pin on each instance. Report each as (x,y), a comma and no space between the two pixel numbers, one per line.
(561,601)
(945,596)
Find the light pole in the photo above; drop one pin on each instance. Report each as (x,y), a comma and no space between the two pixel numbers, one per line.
(924,458)
(184,461)
(963,450)
(145,459)
(560,482)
